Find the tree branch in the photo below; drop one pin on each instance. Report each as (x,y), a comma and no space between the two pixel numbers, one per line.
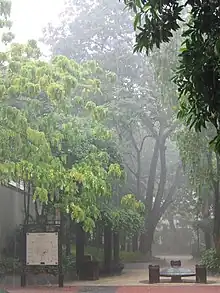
(148,123)
(133,141)
(129,168)
(175,185)
(130,154)
(143,140)
(169,130)
(163,177)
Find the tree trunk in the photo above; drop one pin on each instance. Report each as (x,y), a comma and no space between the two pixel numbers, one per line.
(80,244)
(86,239)
(216,231)
(135,243)
(123,242)
(68,233)
(208,240)
(151,178)
(98,236)
(116,247)
(138,177)
(128,245)
(107,248)
(171,223)
(146,242)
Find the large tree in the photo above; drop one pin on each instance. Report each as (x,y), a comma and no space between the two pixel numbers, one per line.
(138,100)
(197,74)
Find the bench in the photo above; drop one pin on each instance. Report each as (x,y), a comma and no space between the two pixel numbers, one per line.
(176,273)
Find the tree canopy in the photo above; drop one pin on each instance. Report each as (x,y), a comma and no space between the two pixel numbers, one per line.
(197,75)
(51,129)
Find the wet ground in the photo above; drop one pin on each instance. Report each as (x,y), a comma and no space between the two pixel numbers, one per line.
(133,280)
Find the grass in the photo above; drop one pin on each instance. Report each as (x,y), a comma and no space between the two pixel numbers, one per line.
(126,257)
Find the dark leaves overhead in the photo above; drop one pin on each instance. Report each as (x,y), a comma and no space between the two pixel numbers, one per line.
(198,75)
(155,21)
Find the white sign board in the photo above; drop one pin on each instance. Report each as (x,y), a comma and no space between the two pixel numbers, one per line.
(41,249)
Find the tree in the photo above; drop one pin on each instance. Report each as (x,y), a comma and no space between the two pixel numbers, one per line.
(197,75)
(127,216)
(6,24)
(138,106)
(56,141)
(202,169)
(50,132)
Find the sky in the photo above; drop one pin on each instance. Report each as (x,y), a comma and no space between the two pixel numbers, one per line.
(31,16)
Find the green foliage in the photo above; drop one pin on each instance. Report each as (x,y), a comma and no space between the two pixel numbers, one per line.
(155,21)
(125,256)
(197,76)
(136,105)
(211,259)
(69,264)
(49,139)
(11,265)
(5,23)
(129,202)
(128,216)
(200,164)
(198,160)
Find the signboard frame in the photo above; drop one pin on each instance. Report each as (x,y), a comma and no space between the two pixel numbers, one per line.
(33,228)
(36,253)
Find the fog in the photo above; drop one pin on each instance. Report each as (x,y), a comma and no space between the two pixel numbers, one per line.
(164,167)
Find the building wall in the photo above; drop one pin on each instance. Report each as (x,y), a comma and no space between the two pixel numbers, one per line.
(11,212)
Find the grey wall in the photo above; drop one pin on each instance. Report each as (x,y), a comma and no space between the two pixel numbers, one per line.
(11,212)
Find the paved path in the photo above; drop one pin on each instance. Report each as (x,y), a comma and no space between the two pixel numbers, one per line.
(133,280)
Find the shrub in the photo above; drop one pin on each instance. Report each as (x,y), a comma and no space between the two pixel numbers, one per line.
(9,265)
(69,264)
(211,259)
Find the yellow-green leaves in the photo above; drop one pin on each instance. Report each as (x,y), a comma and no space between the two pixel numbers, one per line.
(115,171)
(2,91)
(90,106)
(77,213)
(129,201)
(5,11)
(56,92)
(41,194)
(51,132)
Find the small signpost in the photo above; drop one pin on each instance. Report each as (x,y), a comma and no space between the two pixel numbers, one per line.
(42,247)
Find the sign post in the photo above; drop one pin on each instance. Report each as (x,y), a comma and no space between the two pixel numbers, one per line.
(42,249)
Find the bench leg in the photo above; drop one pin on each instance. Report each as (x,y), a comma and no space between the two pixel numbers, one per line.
(176,279)
(201,274)
(154,274)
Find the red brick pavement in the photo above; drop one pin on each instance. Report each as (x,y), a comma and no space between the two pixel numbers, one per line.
(44,290)
(169,289)
(123,289)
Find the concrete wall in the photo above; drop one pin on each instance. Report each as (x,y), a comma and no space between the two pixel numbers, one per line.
(11,212)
